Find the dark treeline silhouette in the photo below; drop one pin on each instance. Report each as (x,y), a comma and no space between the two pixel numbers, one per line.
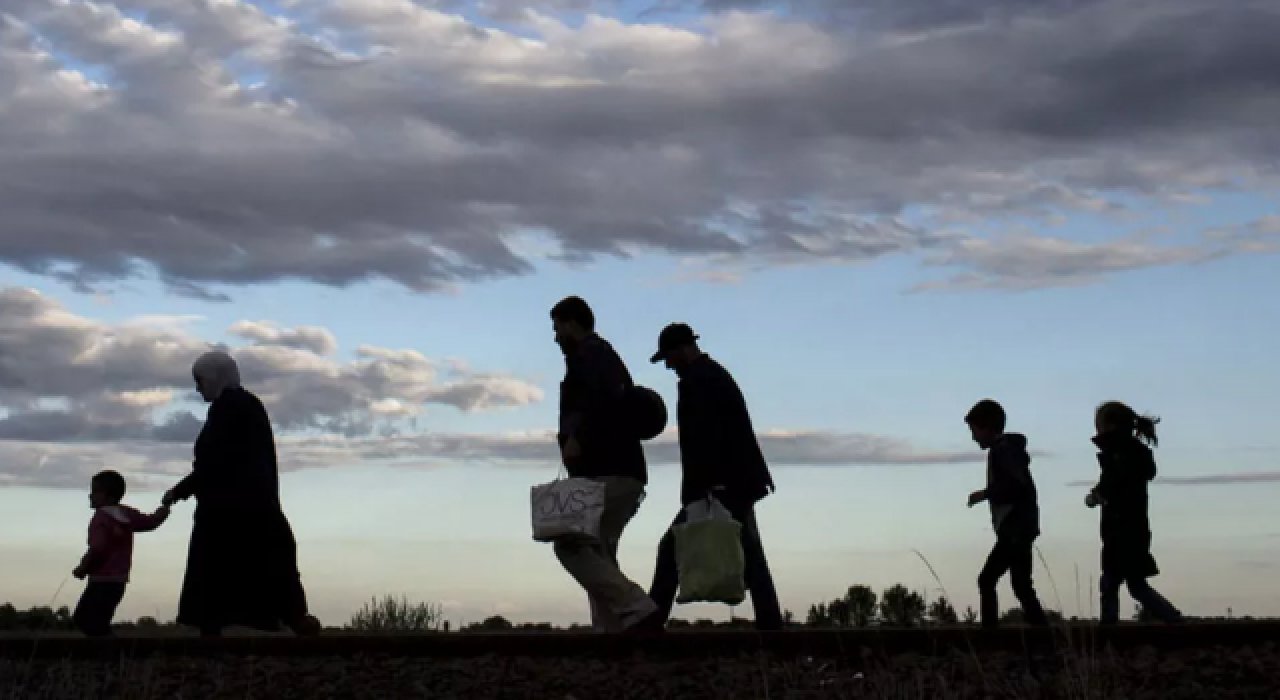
(860,606)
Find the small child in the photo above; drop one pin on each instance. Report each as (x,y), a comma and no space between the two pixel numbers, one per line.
(1015,514)
(1126,464)
(110,555)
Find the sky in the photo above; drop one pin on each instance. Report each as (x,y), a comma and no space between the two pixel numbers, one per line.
(873,213)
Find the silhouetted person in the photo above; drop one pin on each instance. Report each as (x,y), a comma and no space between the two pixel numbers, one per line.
(1015,514)
(595,443)
(1127,465)
(719,456)
(109,559)
(242,564)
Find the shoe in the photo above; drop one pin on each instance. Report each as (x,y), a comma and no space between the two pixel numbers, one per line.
(653,623)
(645,618)
(308,626)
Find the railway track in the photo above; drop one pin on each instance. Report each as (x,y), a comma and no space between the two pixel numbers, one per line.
(686,644)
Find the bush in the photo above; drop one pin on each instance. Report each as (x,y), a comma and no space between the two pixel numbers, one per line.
(391,615)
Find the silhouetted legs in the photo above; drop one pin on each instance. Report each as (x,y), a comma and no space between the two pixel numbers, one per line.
(601,619)
(759,580)
(1146,596)
(616,602)
(1012,555)
(97,607)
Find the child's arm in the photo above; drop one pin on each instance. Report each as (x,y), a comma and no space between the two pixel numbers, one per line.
(99,535)
(147,523)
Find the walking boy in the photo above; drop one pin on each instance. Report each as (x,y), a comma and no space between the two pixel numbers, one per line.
(110,555)
(1015,514)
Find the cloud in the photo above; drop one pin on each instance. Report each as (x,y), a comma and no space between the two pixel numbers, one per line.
(67,378)
(1209,479)
(1261,235)
(920,15)
(152,463)
(1040,262)
(215,145)
(313,339)
(79,395)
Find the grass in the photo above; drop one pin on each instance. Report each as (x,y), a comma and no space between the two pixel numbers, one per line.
(1074,669)
(388,615)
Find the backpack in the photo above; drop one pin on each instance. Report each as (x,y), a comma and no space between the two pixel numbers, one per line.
(646,412)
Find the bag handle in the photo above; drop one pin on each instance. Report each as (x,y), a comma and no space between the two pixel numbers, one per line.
(716,509)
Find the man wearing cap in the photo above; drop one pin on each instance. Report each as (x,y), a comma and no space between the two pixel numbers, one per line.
(719,455)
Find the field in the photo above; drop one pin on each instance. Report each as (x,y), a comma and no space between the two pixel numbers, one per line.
(1235,660)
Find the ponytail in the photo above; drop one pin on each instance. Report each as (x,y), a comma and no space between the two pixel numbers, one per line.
(1115,415)
(1145,428)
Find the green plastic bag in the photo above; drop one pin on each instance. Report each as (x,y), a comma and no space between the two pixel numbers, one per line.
(709,555)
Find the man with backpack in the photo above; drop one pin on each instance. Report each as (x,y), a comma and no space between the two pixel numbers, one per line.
(599,441)
(720,458)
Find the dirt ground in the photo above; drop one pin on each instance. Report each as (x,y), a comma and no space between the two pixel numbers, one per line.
(1252,673)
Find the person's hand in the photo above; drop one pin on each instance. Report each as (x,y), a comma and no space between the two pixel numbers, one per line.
(977,497)
(168,499)
(1093,499)
(78,572)
(572,449)
(163,510)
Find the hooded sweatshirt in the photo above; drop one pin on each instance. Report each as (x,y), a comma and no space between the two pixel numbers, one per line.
(1011,492)
(110,555)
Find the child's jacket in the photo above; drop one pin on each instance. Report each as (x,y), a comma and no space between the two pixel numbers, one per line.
(1011,491)
(110,555)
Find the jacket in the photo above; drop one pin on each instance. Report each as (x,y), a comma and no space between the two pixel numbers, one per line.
(111,530)
(1011,491)
(592,410)
(1126,467)
(718,445)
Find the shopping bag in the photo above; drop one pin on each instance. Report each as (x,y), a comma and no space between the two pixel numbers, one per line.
(567,509)
(709,555)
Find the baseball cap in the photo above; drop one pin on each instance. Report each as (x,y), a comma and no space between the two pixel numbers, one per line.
(673,336)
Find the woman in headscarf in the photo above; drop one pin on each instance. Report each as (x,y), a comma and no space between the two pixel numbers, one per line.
(242,564)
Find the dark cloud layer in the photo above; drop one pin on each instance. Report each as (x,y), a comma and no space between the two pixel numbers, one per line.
(59,464)
(1208,479)
(219,146)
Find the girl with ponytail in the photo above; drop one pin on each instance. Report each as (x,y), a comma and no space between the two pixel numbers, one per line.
(1124,440)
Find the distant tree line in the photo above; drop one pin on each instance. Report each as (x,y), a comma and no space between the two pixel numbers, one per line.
(860,606)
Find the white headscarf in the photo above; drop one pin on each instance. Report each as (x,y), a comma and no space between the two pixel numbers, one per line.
(216,372)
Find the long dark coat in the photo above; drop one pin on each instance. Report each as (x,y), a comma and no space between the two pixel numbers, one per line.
(242,565)
(1127,466)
